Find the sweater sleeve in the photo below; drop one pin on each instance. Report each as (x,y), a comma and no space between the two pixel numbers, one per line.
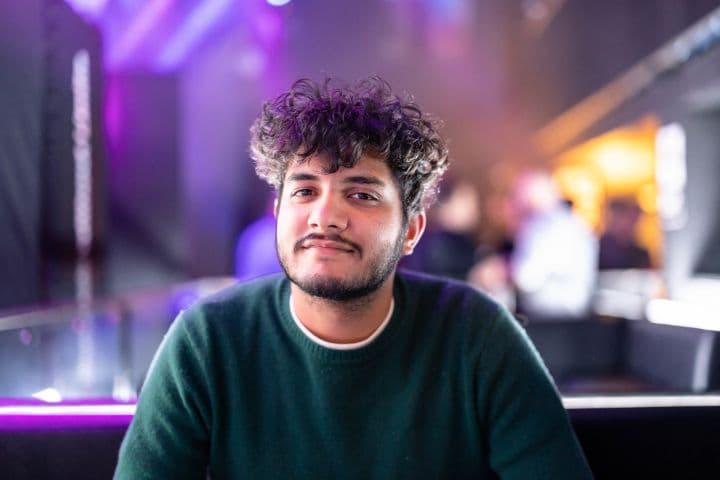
(169,434)
(529,432)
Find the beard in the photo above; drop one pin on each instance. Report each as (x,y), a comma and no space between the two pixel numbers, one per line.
(350,287)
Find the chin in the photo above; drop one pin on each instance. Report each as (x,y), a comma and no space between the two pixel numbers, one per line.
(335,288)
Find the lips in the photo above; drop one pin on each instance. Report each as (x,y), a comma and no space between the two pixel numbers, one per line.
(328,244)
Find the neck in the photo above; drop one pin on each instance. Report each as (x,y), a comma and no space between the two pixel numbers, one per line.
(343,321)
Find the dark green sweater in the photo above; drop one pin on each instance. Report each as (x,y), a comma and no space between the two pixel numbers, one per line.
(452,388)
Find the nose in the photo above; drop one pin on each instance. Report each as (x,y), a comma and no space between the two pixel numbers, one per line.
(328,214)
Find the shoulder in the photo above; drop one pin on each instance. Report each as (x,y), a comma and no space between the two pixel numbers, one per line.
(220,329)
(238,303)
(465,322)
(453,306)
(445,293)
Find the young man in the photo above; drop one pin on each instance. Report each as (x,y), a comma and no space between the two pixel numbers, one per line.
(342,367)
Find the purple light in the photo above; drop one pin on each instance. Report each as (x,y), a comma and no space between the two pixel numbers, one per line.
(113,112)
(26,337)
(68,410)
(89,8)
(183,301)
(268,26)
(23,414)
(278,3)
(138,29)
(448,9)
(190,33)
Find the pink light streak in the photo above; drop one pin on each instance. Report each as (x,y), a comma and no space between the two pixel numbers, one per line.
(191,32)
(18,415)
(143,23)
(124,410)
(89,8)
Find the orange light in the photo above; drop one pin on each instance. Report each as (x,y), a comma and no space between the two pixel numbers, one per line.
(581,185)
(620,163)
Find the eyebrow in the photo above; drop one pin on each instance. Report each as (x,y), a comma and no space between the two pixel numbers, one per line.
(354,179)
(300,177)
(364,180)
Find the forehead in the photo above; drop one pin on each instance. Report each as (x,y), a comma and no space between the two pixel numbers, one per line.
(367,166)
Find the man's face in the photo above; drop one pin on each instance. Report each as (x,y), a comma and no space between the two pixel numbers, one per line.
(340,235)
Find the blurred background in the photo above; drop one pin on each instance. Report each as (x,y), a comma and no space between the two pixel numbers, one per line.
(582,193)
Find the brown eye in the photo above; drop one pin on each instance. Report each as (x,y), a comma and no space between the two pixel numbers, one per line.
(363,196)
(302,192)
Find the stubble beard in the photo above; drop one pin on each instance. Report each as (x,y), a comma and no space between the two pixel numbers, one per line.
(348,289)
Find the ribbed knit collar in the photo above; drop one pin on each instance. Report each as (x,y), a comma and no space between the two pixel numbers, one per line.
(341,346)
(379,344)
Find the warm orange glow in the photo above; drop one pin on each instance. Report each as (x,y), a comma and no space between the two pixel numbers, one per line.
(647,198)
(624,158)
(624,163)
(648,235)
(620,163)
(581,185)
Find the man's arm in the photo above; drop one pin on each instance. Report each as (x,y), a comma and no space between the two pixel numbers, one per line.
(529,432)
(169,435)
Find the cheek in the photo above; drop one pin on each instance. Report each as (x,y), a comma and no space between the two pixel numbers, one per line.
(386,233)
(287,218)
(283,229)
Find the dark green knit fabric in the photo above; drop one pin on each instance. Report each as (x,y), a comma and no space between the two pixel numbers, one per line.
(451,388)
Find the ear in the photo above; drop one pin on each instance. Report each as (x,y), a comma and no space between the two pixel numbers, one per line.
(276,206)
(416,227)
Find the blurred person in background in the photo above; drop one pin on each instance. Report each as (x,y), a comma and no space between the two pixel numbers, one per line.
(491,274)
(618,248)
(554,261)
(344,367)
(449,246)
(491,271)
(255,253)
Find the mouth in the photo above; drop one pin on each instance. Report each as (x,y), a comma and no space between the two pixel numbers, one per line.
(330,246)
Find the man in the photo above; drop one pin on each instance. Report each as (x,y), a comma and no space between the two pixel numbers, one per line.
(618,248)
(343,368)
(554,261)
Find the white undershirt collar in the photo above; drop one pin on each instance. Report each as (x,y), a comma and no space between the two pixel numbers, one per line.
(342,346)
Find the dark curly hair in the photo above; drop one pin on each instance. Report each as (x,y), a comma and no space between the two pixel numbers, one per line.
(345,123)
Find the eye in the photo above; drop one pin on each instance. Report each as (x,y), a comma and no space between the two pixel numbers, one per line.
(302,192)
(364,196)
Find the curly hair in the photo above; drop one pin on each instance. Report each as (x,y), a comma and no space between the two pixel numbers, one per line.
(345,123)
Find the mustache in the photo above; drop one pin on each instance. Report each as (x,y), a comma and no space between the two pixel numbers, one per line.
(333,237)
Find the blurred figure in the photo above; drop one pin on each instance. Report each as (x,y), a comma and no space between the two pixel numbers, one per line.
(255,253)
(492,274)
(618,249)
(554,262)
(448,246)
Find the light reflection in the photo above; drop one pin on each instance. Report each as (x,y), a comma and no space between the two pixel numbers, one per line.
(682,314)
(90,8)
(569,402)
(639,401)
(49,395)
(26,337)
(141,25)
(671,175)
(191,31)
(68,410)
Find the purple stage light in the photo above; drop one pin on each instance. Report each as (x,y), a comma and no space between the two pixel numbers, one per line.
(88,8)
(278,3)
(268,25)
(113,113)
(448,9)
(190,33)
(23,415)
(143,23)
